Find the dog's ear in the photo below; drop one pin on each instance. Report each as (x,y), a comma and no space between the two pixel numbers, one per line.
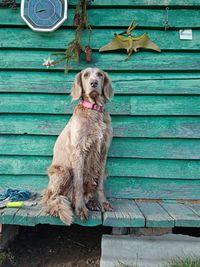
(77,87)
(107,88)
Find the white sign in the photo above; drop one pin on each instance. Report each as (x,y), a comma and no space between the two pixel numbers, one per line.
(185,34)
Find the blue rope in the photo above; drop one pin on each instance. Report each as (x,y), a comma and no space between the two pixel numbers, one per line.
(15,195)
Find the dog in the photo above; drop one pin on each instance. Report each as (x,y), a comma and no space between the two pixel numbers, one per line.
(77,172)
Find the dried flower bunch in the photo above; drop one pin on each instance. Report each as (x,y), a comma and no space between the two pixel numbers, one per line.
(75,47)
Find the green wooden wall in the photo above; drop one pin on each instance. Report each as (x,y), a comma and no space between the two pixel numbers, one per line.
(155,112)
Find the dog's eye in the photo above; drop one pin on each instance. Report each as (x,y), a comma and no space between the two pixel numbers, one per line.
(99,74)
(86,75)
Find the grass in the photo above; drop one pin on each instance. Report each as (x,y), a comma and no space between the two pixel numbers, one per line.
(6,258)
(125,265)
(185,262)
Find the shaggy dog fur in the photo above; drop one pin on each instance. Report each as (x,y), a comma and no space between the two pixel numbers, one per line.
(77,172)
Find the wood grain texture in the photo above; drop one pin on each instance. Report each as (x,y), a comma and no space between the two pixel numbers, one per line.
(155,215)
(118,187)
(125,214)
(34,183)
(176,169)
(195,208)
(27,216)
(33,145)
(183,216)
(144,61)
(155,111)
(148,188)
(121,17)
(55,104)
(154,168)
(34,215)
(7,215)
(138,3)
(20,38)
(152,127)
(123,83)
(120,105)
(165,105)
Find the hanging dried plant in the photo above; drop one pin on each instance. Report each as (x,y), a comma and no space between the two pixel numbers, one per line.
(8,3)
(75,47)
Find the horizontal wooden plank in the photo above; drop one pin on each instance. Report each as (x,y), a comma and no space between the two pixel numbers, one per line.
(56,104)
(186,169)
(138,3)
(34,215)
(120,147)
(194,207)
(148,188)
(146,61)
(165,105)
(178,18)
(125,214)
(163,127)
(120,105)
(28,182)
(154,168)
(183,216)
(8,216)
(118,187)
(18,38)
(155,148)
(123,83)
(155,215)
(94,219)
(143,3)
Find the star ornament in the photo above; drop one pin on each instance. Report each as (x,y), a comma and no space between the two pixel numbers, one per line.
(48,62)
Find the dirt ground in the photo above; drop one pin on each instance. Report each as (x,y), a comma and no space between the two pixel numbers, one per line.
(59,246)
(55,246)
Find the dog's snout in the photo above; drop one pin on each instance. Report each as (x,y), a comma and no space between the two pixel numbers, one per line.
(94,83)
(94,94)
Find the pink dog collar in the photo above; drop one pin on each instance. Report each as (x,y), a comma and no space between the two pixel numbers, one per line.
(91,106)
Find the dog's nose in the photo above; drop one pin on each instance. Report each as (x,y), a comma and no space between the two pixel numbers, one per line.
(94,83)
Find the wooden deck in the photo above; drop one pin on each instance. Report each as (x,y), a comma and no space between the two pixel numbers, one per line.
(155,112)
(127,213)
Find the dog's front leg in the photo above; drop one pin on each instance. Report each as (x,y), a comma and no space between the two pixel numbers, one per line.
(80,207)
(105,204)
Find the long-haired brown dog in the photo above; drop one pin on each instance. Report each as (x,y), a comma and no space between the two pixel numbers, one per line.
(77,172)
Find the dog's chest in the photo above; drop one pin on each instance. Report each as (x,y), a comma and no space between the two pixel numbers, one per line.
(97,131)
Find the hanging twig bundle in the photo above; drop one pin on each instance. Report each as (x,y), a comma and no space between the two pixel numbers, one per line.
(75,47)
(8,3)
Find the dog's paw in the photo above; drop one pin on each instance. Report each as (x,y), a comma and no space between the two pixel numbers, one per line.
(93,205)
(82,213)
(107,206)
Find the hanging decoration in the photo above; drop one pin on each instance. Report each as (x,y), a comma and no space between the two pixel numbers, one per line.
(9,3)
(44,15)
(130,43)
(75,47)
(167,19)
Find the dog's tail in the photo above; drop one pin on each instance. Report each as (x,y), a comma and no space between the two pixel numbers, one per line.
(58,206)
(54,197)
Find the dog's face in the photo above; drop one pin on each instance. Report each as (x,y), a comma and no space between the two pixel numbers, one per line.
(92,83)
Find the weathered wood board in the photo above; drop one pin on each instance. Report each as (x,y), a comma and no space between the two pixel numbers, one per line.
(155,111)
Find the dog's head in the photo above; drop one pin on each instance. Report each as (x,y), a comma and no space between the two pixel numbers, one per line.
(92,84)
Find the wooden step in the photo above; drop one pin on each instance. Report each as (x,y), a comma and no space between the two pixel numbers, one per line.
(127,213)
